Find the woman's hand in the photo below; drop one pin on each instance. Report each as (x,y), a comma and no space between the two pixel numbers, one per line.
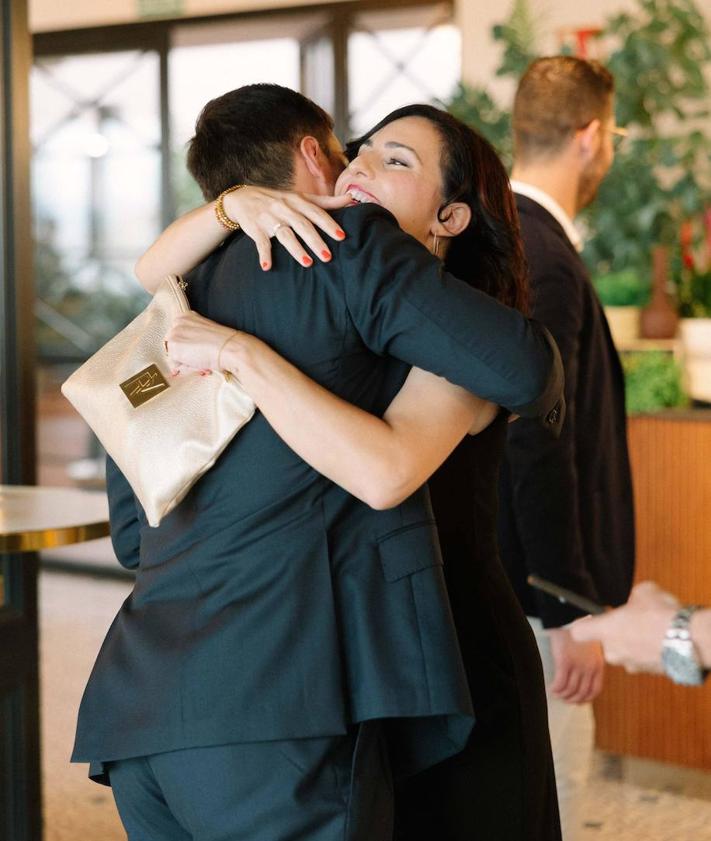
(194,343)
(263,213)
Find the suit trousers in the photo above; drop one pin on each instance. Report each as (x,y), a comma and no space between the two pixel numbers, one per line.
(326,789)
(572,729)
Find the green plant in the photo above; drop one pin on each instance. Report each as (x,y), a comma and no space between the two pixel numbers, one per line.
(476,107)
(662,176)
(622,289)
(694,293)
(652,381)
(520,36)
(74,319)
(660,55)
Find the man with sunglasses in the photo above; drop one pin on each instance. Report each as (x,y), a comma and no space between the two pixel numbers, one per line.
(566,504)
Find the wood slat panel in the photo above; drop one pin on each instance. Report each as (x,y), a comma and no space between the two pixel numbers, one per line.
(644,715)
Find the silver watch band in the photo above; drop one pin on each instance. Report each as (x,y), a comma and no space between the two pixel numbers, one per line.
(679,656)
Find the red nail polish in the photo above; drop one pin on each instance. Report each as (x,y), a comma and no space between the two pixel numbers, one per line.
(326,255)
(306,260)
(265,265)
(340,234)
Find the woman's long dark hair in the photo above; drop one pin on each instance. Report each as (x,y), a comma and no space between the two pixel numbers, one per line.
(489,253)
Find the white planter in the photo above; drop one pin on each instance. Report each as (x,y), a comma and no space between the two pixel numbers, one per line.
(696,344)
(624,325)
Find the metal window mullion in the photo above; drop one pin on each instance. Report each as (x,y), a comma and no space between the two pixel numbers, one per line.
(167,195)
(17,347)
(340,30)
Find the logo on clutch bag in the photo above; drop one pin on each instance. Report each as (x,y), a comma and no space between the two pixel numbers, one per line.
(144,386)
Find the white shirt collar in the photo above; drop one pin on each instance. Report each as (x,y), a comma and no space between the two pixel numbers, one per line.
(551,205)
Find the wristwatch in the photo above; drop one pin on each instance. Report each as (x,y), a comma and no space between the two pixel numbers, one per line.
(679,655)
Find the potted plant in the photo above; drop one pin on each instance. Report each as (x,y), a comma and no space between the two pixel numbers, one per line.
(660,54)
(622,294)
(694,295)
(653,381)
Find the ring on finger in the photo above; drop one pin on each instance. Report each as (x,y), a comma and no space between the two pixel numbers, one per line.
(277,226)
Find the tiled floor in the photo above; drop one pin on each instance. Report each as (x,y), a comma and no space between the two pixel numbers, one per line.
(628,800)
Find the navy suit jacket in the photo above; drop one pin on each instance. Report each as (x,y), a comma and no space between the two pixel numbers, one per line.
(566,507)
(271,604)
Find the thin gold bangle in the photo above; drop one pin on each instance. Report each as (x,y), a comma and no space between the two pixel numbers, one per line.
(222,217)
(222,347)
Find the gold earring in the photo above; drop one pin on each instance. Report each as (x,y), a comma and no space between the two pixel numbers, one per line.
(435,249)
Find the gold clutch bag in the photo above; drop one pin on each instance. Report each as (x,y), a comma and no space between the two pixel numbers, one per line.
(163,432)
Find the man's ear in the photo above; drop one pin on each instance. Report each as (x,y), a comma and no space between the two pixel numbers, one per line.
(453,219)
(588,138)
(313,157)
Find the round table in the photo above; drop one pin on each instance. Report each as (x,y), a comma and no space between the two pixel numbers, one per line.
(35,518)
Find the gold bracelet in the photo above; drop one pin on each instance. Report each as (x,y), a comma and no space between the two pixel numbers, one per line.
(222,217)
(222,347)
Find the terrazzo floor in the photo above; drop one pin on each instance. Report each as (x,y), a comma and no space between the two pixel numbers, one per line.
(628,800)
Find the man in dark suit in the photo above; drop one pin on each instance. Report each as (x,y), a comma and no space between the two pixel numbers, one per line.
(276,621)
(566,504)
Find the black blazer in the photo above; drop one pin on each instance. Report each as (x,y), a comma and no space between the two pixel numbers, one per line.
(566,508)
(271,604)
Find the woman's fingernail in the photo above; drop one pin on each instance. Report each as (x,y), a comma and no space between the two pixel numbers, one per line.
(326,255)
(265,265)
(340,234)
(306,260)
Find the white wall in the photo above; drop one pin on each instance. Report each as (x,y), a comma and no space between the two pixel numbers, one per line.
(47,15)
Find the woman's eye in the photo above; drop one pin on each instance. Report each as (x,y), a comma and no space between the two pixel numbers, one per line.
(396,161)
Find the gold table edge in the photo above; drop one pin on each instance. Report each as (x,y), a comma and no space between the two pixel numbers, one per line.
(35,540)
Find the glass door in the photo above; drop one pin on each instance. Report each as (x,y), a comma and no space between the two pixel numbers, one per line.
(96,200)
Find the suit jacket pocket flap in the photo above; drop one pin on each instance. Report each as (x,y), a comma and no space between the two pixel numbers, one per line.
(408,550)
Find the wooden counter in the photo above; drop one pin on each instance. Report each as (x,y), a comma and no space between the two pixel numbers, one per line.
(644,715)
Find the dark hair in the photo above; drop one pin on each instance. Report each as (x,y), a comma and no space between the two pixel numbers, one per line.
(557,96)
(489,253)
(249,136)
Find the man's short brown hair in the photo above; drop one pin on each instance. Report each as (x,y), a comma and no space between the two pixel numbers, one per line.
(557,96)
(250,135)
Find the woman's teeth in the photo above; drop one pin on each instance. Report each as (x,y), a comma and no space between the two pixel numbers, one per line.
(361,197)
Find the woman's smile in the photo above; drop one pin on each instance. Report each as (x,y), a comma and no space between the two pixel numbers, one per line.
(360,195)
(398,168)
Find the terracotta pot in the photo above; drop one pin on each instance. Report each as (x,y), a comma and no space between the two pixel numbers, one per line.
(659,319)
(696,342)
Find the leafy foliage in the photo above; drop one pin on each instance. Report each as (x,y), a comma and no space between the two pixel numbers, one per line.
(660,53)
(663,175)
(694,294)
(652,381)
(76,316)
(476,107)
(520,36)
(622,289)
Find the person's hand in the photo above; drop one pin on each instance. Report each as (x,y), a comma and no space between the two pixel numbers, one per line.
(195,343)
(579,667)
(263,213)
(632,635)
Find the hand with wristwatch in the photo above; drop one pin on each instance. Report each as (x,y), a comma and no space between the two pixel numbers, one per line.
(653,632)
